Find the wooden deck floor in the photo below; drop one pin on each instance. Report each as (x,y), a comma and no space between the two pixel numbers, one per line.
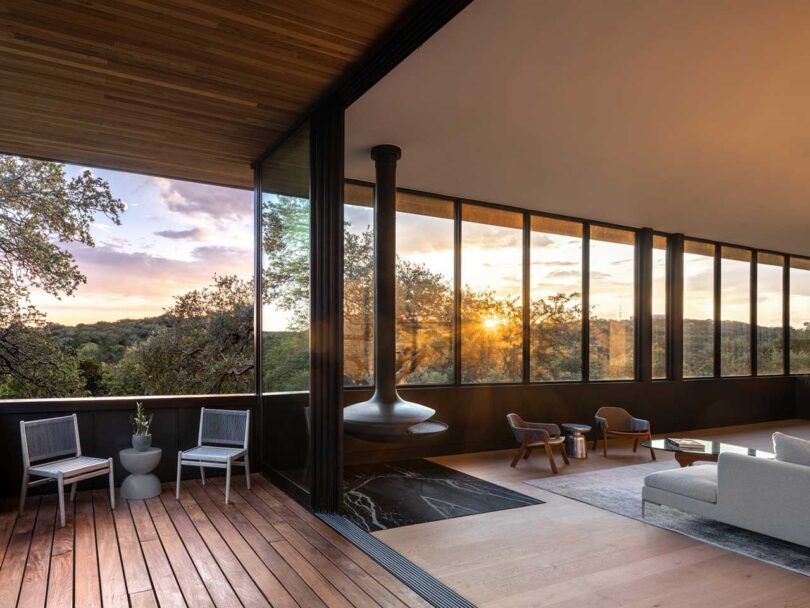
(261,550)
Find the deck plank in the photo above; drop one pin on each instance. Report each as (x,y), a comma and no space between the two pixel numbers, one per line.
(273,590)
(261,550)
(232,567)
(60,578)
(113,586)
(87,585)
(136,574)
(35,578)
(291,511)
(13,567)
(165,585)
(212,575)
(295,548)
(254,534)
(186,574)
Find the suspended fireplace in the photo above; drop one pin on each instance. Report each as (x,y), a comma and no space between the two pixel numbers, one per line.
(387,417)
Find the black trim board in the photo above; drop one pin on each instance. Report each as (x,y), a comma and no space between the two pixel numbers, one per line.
(428,587)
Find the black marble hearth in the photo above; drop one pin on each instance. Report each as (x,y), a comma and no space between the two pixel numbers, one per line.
(393,494)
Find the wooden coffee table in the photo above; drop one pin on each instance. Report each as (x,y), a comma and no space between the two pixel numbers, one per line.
(710,452)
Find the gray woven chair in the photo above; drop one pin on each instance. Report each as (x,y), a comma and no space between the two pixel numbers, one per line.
(51,450)
(617,422)
(221,443)
(532,435)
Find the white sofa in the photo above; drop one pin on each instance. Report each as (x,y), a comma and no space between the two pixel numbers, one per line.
(767,496)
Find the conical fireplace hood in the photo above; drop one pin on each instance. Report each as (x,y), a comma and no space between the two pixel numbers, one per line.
(387,417)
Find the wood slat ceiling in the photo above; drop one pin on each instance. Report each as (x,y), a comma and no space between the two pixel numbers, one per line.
(177,88)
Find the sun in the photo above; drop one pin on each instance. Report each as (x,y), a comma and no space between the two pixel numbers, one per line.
(492,322)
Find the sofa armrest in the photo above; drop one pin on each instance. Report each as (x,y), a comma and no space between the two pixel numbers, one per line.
(761,487)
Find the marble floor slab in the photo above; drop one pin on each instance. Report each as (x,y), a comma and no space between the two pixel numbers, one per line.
(381,496)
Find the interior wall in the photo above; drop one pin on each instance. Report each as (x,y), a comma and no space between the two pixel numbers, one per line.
(477,414)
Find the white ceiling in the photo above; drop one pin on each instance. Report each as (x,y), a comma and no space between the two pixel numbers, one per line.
(687,116)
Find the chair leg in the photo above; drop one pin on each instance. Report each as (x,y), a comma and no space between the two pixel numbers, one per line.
(652,451)
(595,439)
(527,454)
(202,475)
(517,457)
(228,480)
(179,466)
(60,488)
(564,454)
(24,491)
(550,455)
(604,443)
(73,488)
(247,471)
(635,445)
(112,485)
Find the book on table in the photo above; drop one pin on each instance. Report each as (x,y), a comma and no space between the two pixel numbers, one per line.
(686,444)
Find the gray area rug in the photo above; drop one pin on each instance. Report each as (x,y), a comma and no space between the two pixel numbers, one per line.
(619,490)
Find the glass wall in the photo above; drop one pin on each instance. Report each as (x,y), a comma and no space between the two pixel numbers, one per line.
(735,311)
(612,303)
(770,319)
(491,298)
(555,317)
(425,260)
(698,309)
(285,267)
(358,286)
(799,316)
(659,306)
(285,211)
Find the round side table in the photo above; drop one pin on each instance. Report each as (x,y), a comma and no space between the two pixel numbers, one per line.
(141,483)
(575,442)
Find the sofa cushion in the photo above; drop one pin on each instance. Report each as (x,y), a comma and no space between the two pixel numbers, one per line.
(699,483)
(791,449)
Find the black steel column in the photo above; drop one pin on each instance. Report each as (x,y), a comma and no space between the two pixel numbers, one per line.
(753,297)
(257,441)
(786,315)
(644,304)
(326,301)
(586,302)
(718,311)
(675,306)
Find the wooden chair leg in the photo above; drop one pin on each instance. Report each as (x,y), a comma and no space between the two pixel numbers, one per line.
(551,459)
(564,454)
(527,454)
(635,445)
(604,443)
(517,457)
(652,451)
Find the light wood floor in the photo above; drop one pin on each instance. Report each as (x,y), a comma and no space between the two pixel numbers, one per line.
(565,553)
(263,549)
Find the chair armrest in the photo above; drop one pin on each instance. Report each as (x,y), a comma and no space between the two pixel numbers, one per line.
(601,423)
(552,429)
(637,425)
(529,435)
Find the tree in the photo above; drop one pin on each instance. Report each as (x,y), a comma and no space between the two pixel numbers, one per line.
(206,347)
(40,210)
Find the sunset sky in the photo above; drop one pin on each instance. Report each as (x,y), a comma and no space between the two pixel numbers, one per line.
(175,235)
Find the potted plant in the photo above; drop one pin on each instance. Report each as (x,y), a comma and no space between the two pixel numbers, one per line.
(141,426)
